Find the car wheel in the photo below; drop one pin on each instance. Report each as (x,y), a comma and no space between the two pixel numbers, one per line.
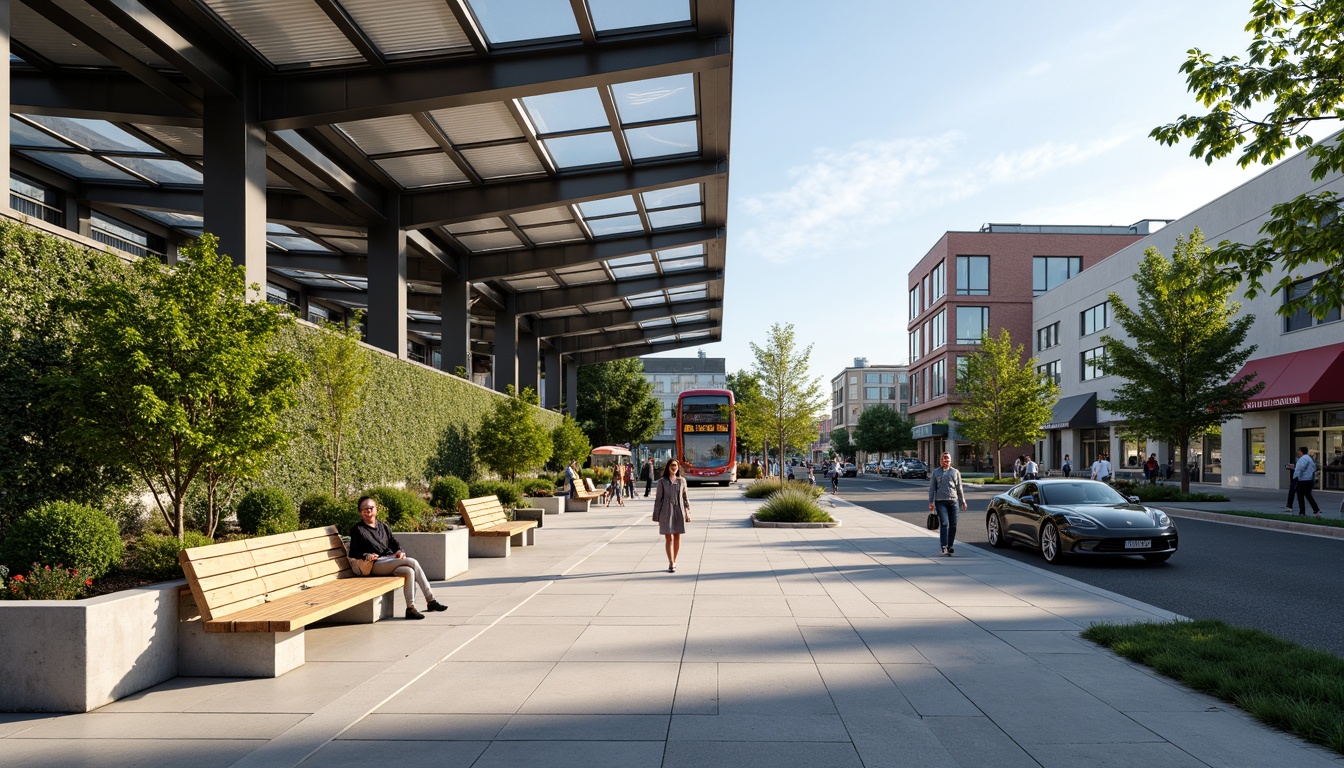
(994,530)
(1158,557)
(1050,545)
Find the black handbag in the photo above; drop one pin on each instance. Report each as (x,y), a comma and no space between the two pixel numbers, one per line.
(933,523)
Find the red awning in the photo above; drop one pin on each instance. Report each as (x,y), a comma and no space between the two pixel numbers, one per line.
(1298,378)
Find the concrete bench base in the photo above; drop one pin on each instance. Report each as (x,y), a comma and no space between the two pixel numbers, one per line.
(488,546)
(442,555)
(236,654)
(551,505)
(577,505)
(535,514)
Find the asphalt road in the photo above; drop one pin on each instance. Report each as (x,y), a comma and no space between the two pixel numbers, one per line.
(1283,583)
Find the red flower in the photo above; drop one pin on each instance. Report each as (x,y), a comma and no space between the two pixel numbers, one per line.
(18,577)
(48,569)
(88,582)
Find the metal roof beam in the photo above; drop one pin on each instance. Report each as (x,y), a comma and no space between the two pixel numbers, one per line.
(302,100)
(559,298)
(164,39)
(421,210)
(369,200)
(565,326)
(609,339)
(494,266)
(352,266)
(281,206)
(636,350)
(101,95)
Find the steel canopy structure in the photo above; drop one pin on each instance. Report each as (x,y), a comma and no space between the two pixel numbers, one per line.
(541,181)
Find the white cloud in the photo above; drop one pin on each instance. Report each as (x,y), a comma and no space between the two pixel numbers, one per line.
(848,198)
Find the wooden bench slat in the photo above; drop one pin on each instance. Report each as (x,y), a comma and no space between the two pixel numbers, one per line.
(305,607)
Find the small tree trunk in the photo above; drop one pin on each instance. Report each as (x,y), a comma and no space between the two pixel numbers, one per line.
(179,505)
(1185,465)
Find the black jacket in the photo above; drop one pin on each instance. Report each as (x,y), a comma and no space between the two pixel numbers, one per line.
(377,540)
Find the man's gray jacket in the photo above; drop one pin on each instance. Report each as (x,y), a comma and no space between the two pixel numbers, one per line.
(945,485)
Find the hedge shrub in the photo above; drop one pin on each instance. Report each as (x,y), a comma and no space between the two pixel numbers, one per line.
(396,505)
(156,556)
(265,511)
(536,486)
(446,491)
(63,533)
(322,509)
(509,494)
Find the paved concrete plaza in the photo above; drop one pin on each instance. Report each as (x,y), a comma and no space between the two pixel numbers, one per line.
(853,646)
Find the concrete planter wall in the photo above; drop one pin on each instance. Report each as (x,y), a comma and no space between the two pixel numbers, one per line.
(551,505)
(442,555)
(76,655)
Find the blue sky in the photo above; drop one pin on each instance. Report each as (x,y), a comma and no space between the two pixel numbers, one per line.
(863,130)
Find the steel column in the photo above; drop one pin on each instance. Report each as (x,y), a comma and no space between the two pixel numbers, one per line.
(571,387)
(455,319)
(235,189)
(506,345)
(387,281)
(529,361)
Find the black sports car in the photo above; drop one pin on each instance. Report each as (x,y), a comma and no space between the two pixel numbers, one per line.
(913,469)
(1078,517)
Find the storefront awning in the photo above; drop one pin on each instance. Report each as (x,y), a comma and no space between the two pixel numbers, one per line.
(1298,378)
(931,429)
(1073,412)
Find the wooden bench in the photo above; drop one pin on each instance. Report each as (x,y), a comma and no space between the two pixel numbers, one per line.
(492,533)
(270,588)
(585,493)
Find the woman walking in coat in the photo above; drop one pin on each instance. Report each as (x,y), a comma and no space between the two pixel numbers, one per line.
(671,508)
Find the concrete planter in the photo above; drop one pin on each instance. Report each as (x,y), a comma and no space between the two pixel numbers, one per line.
(764,524)
(76,655)
(535,514)
(442,555)
(551,505)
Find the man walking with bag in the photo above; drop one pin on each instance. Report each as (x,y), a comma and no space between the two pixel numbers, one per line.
(945,491)
(1304,472)
(646,474)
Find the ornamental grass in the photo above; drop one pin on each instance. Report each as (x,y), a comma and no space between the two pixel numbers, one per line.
(763,488)
(792,505)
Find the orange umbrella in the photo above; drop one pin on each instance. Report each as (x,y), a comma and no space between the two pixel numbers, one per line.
(610,450)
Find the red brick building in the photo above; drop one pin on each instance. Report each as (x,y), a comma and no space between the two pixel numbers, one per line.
(970,283)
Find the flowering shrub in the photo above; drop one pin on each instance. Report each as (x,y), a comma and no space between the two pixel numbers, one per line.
(46,583)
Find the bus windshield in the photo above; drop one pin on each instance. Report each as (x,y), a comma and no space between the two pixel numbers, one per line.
(706,431)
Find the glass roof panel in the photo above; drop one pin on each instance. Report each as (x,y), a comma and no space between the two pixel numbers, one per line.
(422,170)
(659,323)
(350,244)
(615,225)
(700,318)
(478,123)
(678,265)
(687,294)
(22,134)
(679,252)
(636,270)
(98,135)
(626,14)
(80,166)
(566,111)
(424,317)
(478,225)
(640,258)
(608,206)
(531,284)
(276,228)
(504,160)
(287,31)
(583,277)
(663,339)
(660,98)
(606,306)
(666,198)
(663,140)
(296,243)
(647,300)
(492,241)
(177,220)
(545,216)
(510,21)
(584,150)
(387,134)
(675,217)
(562,312)
(408,26)
(162,170)
(695,334)
(555,233)
(188,141)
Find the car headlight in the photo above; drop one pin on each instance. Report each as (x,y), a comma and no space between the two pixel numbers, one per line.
(1078,521)
(1161,517)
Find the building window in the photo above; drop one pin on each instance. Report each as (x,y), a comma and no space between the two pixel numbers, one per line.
(972,323)
(282,296)
(417,352)
(938,376)
(939,330)
(1047,337)
(972,275)
(124,237)
(914,302)
(927,293)
(1302,318)
(1049,271)
(879,393)
(32,198)
(871,378)
(1255,451)
(319,314)
(1095,319)
(960,373)
(853,391)
(915,352)
(888,378)
(1050,369)
(916,388)
(1094,363)
(939,277)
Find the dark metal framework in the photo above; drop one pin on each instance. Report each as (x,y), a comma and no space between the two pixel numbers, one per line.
(453,181)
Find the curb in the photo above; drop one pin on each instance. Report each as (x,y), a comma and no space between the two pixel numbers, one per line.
(762,524)
(1324,531)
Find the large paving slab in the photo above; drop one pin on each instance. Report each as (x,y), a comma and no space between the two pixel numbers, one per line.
(780,648)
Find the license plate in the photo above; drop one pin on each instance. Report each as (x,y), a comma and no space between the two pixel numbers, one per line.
(1139,544)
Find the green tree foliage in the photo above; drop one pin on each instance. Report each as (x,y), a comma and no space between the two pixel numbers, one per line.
(266,511)
(511,440)
(569,443)
(751,413)
(338,371)
(1264,106)
(616,403)
(1184,348)
(38,274)
(841,444)
(177,379)
(790,399)
(1004,400)
(883,430)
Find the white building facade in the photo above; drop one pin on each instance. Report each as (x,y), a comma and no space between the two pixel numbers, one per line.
(1300,359)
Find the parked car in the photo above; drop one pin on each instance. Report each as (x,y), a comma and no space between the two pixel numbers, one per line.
(1078,517)
(870,467)
(887,467)
(913,469)
(849,470)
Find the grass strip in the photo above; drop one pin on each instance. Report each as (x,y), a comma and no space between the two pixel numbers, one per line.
(1308,519)
(1282,684)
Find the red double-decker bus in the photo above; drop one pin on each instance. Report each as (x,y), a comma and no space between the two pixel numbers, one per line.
(706,436)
